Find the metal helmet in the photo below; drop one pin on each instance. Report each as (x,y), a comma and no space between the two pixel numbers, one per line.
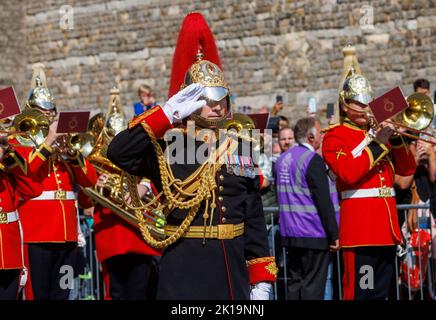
(210,75)
(357,88)
(115,120)
(215,87)
(196,60)
(40,96)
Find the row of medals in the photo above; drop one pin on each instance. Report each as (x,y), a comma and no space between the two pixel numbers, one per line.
(240,166)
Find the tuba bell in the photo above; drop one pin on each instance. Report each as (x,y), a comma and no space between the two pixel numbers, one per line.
(240,122)
(241,125)
(85,142)
(82,143)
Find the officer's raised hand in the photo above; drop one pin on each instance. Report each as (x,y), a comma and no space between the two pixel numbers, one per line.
(184,103)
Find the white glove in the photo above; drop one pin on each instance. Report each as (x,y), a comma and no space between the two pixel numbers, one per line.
(261,291)
(184,102)
(81,240)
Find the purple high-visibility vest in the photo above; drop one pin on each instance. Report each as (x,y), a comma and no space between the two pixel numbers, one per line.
(298,215)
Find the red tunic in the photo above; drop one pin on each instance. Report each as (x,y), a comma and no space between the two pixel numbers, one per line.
(114,236)
(366,221)
(53,220)
(14,184)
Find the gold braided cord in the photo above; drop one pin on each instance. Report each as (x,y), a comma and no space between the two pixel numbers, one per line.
(175,199)
(171,239)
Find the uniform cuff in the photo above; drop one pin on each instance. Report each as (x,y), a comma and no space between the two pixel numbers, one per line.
(79,161)
(44,151)
(11,160)
(396,141)
(376,151)
(154,122)
(262,270)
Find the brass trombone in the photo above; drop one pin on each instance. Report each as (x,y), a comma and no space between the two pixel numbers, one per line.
(416,118)
(34,123)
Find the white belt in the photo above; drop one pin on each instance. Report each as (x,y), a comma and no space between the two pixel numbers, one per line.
(369,193)
(8,217)
(56,195)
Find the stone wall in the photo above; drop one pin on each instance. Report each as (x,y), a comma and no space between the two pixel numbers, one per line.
(292,48)
(13,57)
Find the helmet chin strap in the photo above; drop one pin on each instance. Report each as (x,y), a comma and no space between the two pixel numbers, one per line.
(207,123)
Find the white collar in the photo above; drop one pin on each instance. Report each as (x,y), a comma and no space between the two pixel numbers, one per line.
(308,146)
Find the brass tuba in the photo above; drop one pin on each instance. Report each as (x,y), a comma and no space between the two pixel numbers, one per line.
(84,142)
(101,130)
(240,122)
(242,126)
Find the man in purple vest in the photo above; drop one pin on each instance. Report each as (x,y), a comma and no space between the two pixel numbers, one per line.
(309,212)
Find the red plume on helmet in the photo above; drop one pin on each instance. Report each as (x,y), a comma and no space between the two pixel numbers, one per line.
(194,36)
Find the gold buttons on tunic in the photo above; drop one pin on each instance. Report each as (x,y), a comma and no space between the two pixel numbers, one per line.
(220,199)
(221,188)
(223,209)
(223,220)
(221,177)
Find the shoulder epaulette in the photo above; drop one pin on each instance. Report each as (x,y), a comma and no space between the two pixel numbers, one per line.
(331,127)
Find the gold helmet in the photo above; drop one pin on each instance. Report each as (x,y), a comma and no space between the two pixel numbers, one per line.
(215,88)
(357,88)
(354,86)
(210,76)
(196,60)
(40,96)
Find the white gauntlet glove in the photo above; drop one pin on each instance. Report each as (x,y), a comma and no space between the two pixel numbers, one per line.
(184,102)
(261,291)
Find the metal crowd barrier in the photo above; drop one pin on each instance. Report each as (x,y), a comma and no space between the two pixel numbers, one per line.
(89,284)
(402,291)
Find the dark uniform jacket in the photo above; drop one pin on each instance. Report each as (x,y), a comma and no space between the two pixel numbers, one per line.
(218,269)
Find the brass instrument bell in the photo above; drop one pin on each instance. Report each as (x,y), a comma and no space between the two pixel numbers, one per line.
(419,114)
(33,121)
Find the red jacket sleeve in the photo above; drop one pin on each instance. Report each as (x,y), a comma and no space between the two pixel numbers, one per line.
(404,161)
(341,161)
(84,201)
(17,167)
(84,172)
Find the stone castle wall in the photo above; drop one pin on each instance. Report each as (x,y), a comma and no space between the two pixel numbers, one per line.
(268,48)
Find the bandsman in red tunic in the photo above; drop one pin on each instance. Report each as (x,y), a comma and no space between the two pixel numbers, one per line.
(50,221)
(15,186)
(364,162)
